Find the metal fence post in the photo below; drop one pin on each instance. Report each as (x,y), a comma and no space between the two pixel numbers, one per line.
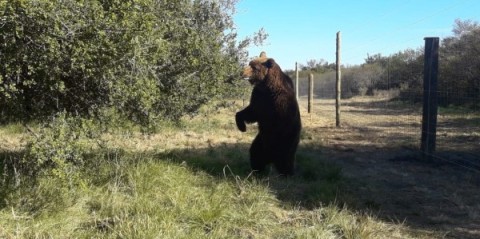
(430,101)
(310,92)
(338,91)
(296,80)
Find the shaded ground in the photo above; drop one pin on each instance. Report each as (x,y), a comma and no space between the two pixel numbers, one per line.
(377,148)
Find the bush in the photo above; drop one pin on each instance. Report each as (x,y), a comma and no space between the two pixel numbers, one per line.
(51,169)
(58,150)
(146,59)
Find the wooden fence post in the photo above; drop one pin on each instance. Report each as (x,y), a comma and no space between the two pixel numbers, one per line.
(310,92)
(430,101)
(296,80)
(338,92)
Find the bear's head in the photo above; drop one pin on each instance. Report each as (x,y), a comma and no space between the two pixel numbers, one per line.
(257,70)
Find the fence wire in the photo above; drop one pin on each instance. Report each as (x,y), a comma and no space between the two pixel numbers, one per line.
(383,121)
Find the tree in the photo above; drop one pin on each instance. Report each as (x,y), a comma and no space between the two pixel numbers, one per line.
(319,66)
(460,66)
(144,59)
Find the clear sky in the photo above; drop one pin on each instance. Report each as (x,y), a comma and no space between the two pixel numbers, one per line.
(306,29)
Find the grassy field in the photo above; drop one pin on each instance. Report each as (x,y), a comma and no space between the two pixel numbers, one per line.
(193,180)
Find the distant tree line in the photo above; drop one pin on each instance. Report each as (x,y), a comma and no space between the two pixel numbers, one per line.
(459,71)
(142,59)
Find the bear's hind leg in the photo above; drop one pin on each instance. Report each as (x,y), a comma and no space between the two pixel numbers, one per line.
(284,161)
(257,154)
(285,167)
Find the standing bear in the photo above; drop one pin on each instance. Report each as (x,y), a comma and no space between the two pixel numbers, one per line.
(274,107)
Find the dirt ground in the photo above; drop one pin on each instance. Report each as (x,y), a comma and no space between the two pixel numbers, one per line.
(377,147)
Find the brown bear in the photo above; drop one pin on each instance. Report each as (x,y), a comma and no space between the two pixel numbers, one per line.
(274,107)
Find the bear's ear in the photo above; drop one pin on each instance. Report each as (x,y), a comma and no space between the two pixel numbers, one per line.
(257,66)
(269,63)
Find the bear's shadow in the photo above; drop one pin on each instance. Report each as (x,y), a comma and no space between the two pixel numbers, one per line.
(316,182)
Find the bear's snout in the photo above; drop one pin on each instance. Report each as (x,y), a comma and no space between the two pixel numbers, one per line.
(247,73)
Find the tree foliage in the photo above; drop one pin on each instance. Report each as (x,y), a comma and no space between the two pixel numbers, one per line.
(459,76)
(144,59)
(458,79)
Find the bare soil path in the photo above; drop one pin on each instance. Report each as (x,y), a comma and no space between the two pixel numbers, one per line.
(377,148)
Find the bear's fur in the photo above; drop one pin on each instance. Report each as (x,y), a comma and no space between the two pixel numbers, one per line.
(274,106)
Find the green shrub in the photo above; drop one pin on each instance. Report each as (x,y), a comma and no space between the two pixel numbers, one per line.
(147,60)
(58,149)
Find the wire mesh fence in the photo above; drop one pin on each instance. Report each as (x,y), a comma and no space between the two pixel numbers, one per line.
(383,122)
(458,132)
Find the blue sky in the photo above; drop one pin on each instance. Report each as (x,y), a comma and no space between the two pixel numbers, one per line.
(306,29)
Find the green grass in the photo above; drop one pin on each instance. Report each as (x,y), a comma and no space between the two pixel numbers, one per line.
(12,128)
(16,128)
(155,198)
(457,110)
(186,182)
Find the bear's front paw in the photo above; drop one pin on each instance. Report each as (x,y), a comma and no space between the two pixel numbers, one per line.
(240,123)
(242,127)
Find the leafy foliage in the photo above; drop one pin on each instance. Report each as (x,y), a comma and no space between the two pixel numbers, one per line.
(460,65)
(146,59)
(459,74)
(60,145)
(55,157)
(402,70)
(51,165)
(458,79)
